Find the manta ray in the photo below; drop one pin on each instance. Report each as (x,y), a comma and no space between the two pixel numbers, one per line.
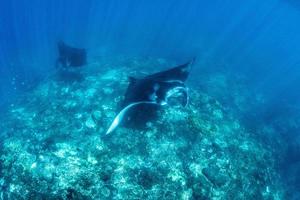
(70,56)
(145,95)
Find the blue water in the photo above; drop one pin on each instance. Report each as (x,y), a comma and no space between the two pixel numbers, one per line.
(256,40)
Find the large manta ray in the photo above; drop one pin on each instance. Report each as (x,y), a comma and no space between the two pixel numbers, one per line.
(152,91)
(70,56)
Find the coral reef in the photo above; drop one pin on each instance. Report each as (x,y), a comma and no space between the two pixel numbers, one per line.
(53,145)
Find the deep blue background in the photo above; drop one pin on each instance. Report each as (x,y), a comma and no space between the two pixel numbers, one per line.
(257,38)
(260,38)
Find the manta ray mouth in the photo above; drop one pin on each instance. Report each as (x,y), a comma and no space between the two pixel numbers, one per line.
(176,92)
(171,93)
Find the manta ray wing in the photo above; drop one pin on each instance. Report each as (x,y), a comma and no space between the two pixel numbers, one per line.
(179,73)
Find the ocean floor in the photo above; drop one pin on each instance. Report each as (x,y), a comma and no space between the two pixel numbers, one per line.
(52,145)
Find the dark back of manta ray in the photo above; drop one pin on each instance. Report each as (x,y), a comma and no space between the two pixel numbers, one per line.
(70,56)
(179,73)
(138,116)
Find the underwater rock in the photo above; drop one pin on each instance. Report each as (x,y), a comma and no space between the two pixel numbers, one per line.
(110,75)
(201,188)
(90,123)
(195,169)
(218,114)
(215,176)
(90,92)
(147,178)
(105,192)
(107,91)
(97,115)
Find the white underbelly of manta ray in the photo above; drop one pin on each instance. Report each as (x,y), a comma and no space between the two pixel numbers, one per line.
(163,85)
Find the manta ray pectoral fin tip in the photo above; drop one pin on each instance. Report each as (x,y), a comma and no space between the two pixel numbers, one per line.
(114,124)
(108,132)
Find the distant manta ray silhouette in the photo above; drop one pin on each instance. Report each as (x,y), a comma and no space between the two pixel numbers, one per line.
(155,89)
(70,56)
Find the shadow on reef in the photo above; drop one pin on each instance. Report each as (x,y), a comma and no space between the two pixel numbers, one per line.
(69,76)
